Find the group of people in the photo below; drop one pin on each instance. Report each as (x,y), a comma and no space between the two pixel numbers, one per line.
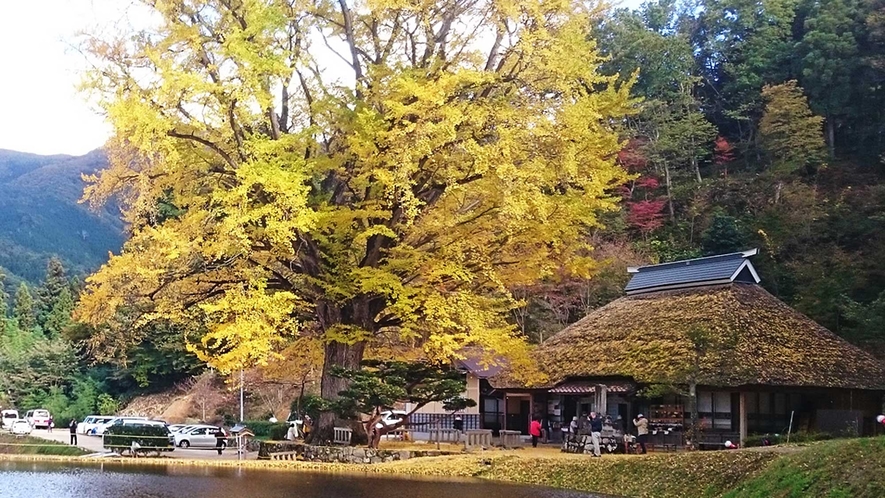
(592,424)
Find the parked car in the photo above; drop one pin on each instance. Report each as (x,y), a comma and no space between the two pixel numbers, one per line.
(7,417)
(202,436)
(86,424)
(38,418)
(176,427)
(390,417)
(101,428)
(90,428)
(21,427)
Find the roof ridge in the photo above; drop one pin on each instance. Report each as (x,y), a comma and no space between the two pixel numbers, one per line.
(743,254)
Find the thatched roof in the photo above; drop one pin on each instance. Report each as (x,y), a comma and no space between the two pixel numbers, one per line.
(751,338)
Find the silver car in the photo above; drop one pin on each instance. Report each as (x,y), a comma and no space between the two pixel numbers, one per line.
(197,437)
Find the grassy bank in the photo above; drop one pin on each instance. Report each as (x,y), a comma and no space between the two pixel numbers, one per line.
(832,469)
(11,445)
(835,469)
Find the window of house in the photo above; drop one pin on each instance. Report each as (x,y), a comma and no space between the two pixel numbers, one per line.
(714,410)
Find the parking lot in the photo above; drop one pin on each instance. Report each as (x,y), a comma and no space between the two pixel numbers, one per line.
(94,444)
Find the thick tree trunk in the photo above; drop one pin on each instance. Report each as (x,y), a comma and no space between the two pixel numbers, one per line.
(669,194)
(342,355)
(831,136)
(693,408)
(358,313)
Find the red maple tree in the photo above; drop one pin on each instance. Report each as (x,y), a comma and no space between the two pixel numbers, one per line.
(723,151)
(647,215)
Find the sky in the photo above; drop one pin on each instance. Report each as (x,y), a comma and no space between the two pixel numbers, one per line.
(41,110)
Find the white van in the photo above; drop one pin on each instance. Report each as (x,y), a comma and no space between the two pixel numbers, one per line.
(7,417)
(38,418)
(100,428)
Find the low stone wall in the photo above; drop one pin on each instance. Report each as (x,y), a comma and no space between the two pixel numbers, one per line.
(290,450)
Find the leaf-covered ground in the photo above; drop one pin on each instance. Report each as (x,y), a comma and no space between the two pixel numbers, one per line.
(834,469)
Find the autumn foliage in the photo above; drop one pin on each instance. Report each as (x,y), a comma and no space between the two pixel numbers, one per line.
(351,170)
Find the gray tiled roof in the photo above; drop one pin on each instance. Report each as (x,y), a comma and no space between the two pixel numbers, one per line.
(700,271)
(476,366)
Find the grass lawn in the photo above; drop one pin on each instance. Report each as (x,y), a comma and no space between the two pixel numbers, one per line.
(12,445)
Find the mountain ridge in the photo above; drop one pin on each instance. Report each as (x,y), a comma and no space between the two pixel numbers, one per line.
(41,216)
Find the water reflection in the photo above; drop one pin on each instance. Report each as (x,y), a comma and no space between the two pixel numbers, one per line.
(109,480)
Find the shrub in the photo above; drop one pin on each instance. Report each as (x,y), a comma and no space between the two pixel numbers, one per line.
(278,432)
(151,436)
(265,429)
(798,437)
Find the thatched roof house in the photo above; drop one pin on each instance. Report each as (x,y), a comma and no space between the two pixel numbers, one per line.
(765,342)
(755,360)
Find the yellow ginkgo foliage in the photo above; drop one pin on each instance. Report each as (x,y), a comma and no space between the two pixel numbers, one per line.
(359,166)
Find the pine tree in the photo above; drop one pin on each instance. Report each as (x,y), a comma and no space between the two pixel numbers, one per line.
(24,308)
(60,316)
(48,294)
(4,297)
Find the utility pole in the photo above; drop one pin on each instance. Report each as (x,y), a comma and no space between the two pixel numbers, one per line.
(241,395)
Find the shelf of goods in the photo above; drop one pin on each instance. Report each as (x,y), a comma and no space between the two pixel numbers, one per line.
(666,417)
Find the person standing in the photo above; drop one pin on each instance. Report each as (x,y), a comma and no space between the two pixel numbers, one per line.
(219,440)
(73,427)
(595,423)
(51,424)
(641,424)
(535,431)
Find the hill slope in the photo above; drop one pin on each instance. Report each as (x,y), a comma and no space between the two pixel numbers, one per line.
(40,216)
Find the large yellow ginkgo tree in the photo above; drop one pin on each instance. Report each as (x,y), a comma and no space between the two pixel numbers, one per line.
(356,167)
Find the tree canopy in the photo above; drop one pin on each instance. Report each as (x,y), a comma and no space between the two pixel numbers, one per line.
(357,168)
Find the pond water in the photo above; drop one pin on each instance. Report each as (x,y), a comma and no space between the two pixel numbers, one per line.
(109,480)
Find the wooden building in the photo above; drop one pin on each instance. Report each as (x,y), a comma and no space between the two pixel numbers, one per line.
(706,324)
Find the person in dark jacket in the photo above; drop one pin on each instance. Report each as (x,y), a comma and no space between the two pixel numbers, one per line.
(595,426)
(73,426)
(219,440)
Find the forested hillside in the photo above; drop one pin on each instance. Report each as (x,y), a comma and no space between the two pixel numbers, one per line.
(760,125)
(40,216)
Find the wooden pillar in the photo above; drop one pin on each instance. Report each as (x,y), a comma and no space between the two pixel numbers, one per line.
(602,400)
(743,417)
(504,422)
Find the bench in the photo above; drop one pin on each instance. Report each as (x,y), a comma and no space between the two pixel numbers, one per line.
(715,441)
(342,435)
(481,438)
(445,436)
(511,439)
